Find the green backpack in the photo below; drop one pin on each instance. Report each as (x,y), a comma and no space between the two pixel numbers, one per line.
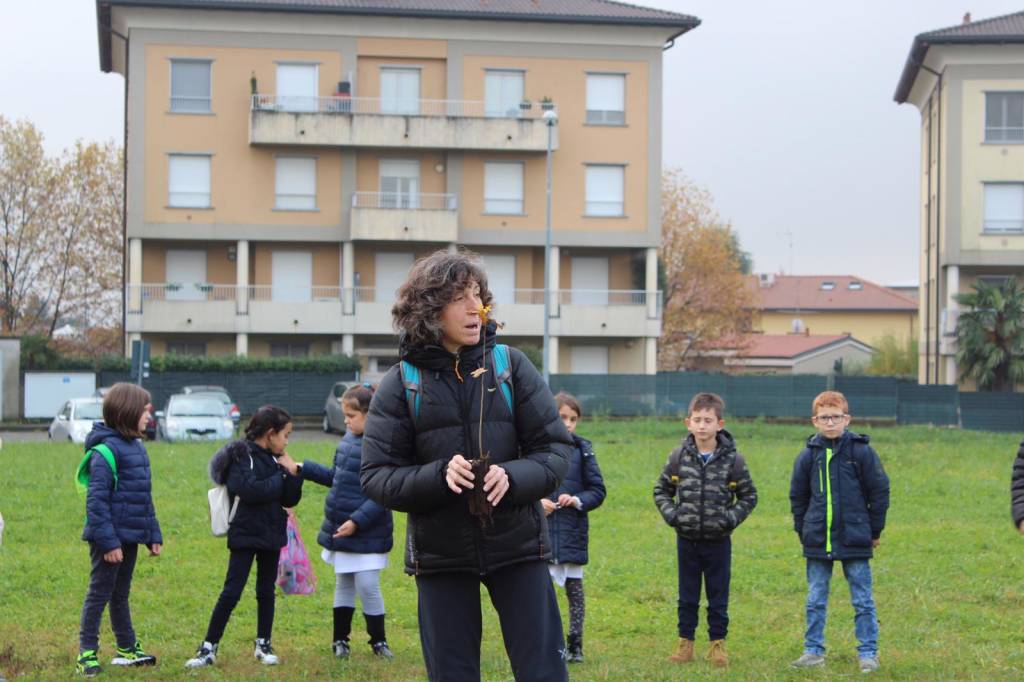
(82,474)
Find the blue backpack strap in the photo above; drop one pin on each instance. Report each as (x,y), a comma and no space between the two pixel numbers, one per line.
(411,381)
(503,374)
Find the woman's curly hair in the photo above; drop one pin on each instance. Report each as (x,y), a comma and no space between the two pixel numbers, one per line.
(433,283)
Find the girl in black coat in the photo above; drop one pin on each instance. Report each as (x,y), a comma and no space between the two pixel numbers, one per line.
(265,480)
(581,492)
(356,533)
(468,524)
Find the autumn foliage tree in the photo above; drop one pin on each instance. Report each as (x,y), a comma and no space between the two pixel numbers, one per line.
(708,300)
(60,234)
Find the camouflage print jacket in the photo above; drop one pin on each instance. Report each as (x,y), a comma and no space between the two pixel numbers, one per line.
(705,501)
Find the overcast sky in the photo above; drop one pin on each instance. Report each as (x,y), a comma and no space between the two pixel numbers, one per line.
(782,110)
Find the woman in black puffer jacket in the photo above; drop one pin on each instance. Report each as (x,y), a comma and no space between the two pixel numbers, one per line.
(263,477)
(416,459)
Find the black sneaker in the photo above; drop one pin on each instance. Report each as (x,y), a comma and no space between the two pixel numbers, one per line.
(88,663)
(264,653)
(573,650)
(133,656)
(341,648)
(381,650)
(205,655)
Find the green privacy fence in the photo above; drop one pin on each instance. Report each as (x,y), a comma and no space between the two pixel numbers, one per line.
(790,397)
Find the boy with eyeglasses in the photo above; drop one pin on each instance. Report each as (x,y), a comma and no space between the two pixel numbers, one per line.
(839,495)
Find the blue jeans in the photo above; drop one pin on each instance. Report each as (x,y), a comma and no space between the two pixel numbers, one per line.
(865,620)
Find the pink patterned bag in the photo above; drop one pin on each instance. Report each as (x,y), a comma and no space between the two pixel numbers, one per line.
(294,573)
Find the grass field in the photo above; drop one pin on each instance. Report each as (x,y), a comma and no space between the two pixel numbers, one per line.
(948,576)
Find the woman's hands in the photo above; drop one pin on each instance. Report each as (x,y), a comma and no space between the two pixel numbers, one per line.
(459,475)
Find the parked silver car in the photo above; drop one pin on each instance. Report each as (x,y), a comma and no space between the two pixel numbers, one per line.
(334,418)
(194,417)
(74,421)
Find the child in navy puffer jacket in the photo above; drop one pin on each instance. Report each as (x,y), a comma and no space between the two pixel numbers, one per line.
(357,532)
(119,517)
(581,491)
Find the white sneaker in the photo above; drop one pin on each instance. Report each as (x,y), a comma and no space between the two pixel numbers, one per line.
(206,655)
(264,653)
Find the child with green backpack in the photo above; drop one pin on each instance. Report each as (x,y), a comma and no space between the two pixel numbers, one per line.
(119,516)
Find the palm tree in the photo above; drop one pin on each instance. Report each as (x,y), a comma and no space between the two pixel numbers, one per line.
(990,336)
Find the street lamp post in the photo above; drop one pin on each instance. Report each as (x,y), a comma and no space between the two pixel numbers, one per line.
(551,120)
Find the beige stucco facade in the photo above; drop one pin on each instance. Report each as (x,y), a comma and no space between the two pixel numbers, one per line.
(871,326)
(350,226)
(956,163)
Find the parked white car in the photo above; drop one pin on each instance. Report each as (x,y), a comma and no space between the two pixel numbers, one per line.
(75,419)
(195,417)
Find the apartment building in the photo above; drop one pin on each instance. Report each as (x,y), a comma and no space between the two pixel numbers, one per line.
(832,305)
(967,81)
(289,159)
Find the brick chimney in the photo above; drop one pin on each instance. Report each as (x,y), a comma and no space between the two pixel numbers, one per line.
(967,18)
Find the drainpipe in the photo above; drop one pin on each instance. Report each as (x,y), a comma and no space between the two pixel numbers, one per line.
(928,248)
(937,94)
(124,197)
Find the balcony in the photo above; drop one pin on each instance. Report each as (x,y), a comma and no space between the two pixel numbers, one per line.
(395,216)
(269,309)
(397,124)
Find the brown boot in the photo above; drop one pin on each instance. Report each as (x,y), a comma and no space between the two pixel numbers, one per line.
(684,652)
(717,655)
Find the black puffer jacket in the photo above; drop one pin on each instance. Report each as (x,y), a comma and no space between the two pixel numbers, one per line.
(265,489)
(346,501)
(404,462)
(839,495)
(122,514)
(1017,488)
(713,498)
(569,526)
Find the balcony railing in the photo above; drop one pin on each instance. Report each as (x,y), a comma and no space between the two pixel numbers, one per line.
(404,201)
(384,106)
(198,294)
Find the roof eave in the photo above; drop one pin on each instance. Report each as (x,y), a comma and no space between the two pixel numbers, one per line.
(919,50)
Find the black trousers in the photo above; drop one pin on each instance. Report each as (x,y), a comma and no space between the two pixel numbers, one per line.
(712,561)
(108,584)
(239,566)
(451,624)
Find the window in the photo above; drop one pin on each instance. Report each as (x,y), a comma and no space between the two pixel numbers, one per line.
(399,184)
(503,188)
(289,350)
(589,280)
(190,86)
(295,184)
(186,348)
(1004,207)
(589,359)
(390,272)
(188,183)
(400,91)
(185,272)
(297,87)
(855,286)
(1004,116)
(828,286)
(501,277)
(605,190)
(291,274)
(995,280)
(606,99)
(503,91)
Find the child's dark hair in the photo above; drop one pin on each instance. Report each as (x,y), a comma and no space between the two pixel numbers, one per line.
(359,397)
(123,407)
(570,401)
(708,401)
(266,419)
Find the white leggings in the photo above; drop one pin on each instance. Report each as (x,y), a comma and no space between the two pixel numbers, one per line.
(367,584)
